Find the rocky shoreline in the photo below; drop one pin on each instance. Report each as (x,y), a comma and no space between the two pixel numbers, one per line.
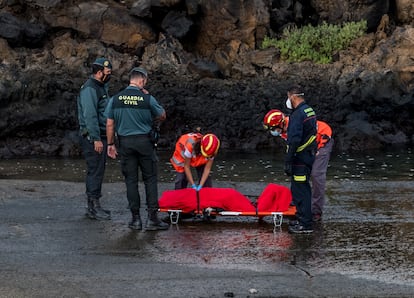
(206,68)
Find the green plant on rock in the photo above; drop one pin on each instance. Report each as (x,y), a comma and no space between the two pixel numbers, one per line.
(317,44)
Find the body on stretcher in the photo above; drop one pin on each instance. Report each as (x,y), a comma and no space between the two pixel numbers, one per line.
(277,216)
(274,201)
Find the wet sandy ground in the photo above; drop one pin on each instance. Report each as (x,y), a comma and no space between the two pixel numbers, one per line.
(363,248)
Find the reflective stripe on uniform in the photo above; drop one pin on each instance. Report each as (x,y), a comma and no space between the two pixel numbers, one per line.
(177,162)
(187,142)
(309,112)
(310,140)
(299,178)
(174,159)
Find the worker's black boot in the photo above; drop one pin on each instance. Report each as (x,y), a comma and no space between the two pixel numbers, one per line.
(90,210)
(100,213)
(154,223)
(135,223)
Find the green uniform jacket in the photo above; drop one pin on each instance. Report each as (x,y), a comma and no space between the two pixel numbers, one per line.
(133,111)
(92,101)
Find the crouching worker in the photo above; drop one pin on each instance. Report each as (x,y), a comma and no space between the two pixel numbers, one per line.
(130,114)
(193,150)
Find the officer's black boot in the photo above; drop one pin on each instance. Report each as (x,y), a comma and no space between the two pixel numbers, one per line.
(90,210)
(135,223)
(154,223)
(100,213)
(98,205)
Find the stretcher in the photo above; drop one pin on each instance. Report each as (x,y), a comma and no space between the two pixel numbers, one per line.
(277,216)
(275,201)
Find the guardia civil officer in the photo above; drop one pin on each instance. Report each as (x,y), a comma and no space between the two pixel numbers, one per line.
(301,149)
(92,101)
(131,114)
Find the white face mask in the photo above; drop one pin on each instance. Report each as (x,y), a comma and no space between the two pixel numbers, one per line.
(275,133)
(289,104)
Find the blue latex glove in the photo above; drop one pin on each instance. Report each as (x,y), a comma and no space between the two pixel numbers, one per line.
(194,186)
(199,187)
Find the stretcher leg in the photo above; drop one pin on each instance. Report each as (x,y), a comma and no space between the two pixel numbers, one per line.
(277,219)
(174,216)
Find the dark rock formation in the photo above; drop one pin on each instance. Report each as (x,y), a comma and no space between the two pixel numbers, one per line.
(206,68)
(337,12)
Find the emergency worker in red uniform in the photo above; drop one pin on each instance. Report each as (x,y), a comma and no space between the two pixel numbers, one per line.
(193,150)
(320,166)
(301,149)
(277,123)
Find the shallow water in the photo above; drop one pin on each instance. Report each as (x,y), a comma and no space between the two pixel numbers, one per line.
(264,166)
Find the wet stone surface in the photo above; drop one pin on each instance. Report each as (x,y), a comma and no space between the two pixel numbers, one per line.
(363,247)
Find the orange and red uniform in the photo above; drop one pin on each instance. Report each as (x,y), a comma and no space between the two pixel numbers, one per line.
(323,134)
(185,147)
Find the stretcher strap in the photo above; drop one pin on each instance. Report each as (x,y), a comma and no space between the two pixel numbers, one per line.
(198,201)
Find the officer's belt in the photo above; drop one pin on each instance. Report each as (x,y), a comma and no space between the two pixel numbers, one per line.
(145,135)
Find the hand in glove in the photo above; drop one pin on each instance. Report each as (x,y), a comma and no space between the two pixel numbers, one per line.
(194,186)
(199,187)
(288,168)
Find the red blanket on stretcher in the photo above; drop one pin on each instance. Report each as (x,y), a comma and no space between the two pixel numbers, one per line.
(274,198)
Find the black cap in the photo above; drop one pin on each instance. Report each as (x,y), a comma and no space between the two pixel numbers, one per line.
(103,62)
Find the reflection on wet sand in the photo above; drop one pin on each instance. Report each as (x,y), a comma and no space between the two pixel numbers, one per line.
(224,245)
